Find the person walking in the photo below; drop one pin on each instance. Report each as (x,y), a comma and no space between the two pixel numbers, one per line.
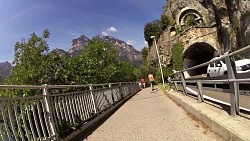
(151,80)
(142,83)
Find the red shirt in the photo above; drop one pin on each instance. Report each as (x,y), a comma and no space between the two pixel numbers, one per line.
(142,81)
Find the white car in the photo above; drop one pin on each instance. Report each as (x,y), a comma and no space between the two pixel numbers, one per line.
(220,68)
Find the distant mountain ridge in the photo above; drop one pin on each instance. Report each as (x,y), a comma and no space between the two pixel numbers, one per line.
(5,69)
(125,52)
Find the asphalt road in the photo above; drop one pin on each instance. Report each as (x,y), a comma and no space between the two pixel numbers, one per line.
(223,95)
(152,116)
(244,100)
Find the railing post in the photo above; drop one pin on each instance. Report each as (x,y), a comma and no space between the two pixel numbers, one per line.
(93,98)
(234,87)
(176,86)
(183,83)
(132,87)
(200,94)
(47,108)
(120,89)
(112,96)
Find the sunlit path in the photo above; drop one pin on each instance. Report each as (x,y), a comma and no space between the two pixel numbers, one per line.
(151,116)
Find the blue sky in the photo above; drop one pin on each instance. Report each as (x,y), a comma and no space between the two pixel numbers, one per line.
(68,19)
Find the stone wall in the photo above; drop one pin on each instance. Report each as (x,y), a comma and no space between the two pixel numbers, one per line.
(221,29)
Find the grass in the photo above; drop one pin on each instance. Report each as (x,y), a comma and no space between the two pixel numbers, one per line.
(167,87)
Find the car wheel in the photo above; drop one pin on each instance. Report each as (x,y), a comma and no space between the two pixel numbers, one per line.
(208,75)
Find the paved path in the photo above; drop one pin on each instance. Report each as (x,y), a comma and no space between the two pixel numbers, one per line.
(152,116)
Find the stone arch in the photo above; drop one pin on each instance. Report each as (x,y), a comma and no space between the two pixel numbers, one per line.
(182,14)
(198,53)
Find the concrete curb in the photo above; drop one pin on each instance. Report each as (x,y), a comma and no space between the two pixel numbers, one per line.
(79,134)
(230,128)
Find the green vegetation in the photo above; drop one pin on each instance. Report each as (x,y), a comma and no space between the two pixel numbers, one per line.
(236,23)
(35,65)
(144,53)
(1,77)
(152,29)
(157,27)
(146,69)
(190,20)
(30,58)
(166,21)
(177,56)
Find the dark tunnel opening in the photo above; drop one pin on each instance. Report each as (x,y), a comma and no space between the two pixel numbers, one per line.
(196,54)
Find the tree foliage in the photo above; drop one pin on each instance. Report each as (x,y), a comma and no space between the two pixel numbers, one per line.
(29,59)
(177,56)
(166,21)
(35,65)
(190,20)
(55,69)
(144,53)
(152,29)
(98,62)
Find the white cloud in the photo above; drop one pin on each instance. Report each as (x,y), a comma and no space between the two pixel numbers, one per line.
(112,29)
(104,33)
(130,42)
(108,30)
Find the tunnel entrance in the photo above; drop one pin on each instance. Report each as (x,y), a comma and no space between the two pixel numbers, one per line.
(196,54)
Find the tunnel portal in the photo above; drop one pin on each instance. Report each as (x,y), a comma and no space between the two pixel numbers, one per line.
(196,54)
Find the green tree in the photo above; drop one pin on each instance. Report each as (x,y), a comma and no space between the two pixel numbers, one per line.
(177,56)
(55,69)
(126,72)
(97,64)
(166,21)
(29,59)
(144,53)
(190,20)
(1,81)
(146,69)
(152,29)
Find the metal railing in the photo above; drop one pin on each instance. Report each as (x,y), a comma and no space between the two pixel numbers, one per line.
(57,110)
(232,80)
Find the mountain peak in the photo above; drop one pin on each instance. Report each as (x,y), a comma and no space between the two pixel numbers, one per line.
(125,51)
(5,69)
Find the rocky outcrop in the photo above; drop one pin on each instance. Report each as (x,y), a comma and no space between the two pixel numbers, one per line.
(224,25)
(78,45)
(125,52)
(5,69)
(60,52)
(217,26)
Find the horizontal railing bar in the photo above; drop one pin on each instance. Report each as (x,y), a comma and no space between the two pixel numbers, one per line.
(217,81)
(239,51)
(54,86)
(21,87)
(21,98)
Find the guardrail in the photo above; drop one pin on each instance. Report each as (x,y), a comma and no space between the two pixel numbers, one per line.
(232,80)
(58,110)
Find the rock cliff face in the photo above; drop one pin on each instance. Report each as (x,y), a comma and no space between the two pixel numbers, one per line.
(77,45)
(5,69)
(125,52)
(220,26)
